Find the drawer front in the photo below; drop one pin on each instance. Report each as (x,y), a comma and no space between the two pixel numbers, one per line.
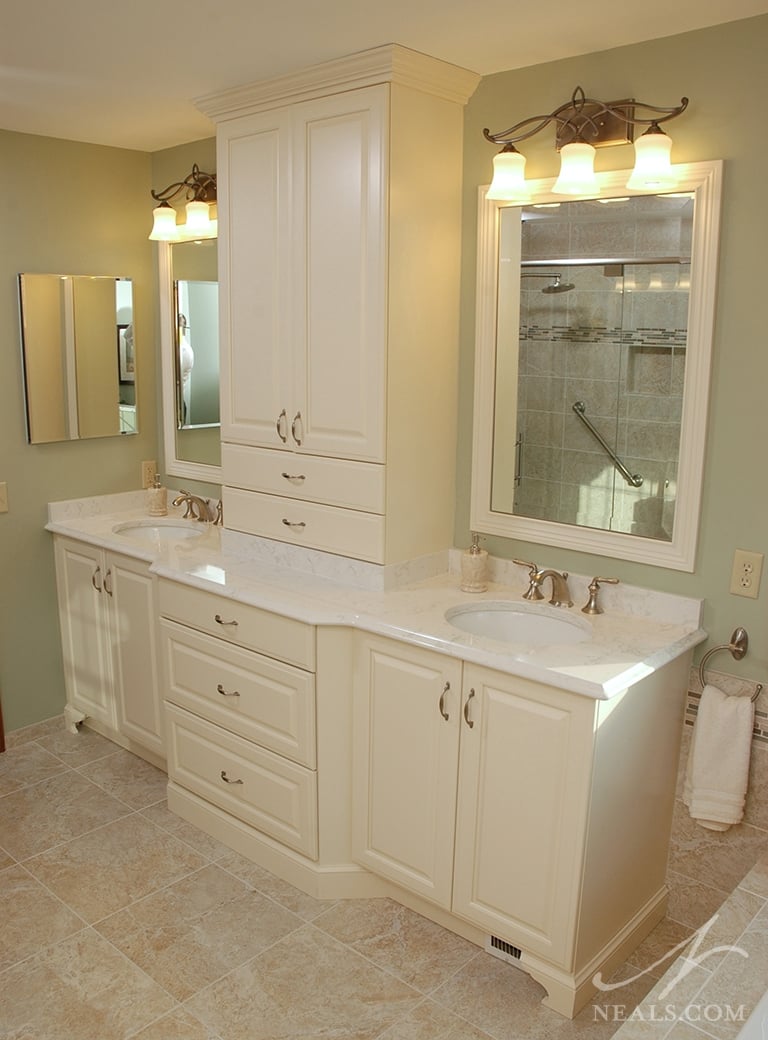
(265,791)
(248,626)
(262,700)
(347,532)
(311,478)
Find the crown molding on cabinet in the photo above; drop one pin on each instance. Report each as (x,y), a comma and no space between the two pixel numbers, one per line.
(390,63)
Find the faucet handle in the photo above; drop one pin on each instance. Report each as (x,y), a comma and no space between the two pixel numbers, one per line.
(592,606)
(185,499)
(533,591)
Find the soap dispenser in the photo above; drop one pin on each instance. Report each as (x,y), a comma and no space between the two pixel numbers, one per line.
(157,499)
(474,568)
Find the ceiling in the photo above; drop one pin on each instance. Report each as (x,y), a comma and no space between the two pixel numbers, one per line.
(126,74)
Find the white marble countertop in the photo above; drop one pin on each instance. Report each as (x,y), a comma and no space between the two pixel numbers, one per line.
(639,632)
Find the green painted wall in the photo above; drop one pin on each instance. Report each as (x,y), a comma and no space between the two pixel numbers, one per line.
(724,73)
(65,208)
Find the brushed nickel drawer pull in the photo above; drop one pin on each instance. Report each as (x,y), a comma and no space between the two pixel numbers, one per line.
(467,719)
(297,421)
(220,689)
(282,420)
(294,523)
(443,712)
(296,478)
(220,621)
(226,779)
(95,579)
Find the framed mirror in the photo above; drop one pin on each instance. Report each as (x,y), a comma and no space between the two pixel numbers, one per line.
(190,358)
(593,346)
(78,355)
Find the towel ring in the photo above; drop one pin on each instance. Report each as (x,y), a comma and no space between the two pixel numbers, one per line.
(737,647)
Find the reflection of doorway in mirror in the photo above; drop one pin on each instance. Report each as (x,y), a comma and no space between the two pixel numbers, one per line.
(198,353)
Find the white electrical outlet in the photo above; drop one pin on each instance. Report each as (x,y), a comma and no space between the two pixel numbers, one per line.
(148,473)
(746,572)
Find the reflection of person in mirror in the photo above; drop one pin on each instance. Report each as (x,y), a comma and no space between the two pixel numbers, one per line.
(130,364)
(186,364)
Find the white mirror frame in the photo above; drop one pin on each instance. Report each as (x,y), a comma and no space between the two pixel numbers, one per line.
(705,178)
(174,466)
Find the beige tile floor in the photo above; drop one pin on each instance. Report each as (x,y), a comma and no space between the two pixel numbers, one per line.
(118,919)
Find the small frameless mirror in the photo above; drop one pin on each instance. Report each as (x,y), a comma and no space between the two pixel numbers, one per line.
(78,355)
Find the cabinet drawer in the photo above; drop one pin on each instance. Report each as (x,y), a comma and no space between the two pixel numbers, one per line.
(344,531)
(266,791)
(248,626)
(311,478)
(263,700)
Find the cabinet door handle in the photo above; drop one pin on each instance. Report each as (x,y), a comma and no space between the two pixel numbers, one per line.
(227,780)
(443,712)
(467,719)
(294,523)
(295,478)
(108,582)
(96,579)
(297,421)
(220,689)
(282,421)
(220,620)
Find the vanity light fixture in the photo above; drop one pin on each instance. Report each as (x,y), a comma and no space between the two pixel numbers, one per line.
(200,191)
(581,125)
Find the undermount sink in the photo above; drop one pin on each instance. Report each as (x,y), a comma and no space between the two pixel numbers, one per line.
(156,530)
(518,623)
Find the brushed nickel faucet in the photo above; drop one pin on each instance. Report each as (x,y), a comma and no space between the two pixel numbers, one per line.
(197,508)
(561,594)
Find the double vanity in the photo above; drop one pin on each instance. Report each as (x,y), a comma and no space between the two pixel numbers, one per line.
(506,769)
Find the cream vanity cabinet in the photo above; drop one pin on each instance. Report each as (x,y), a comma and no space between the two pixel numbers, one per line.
(538,815)
(339,259)
(107,620)
(239,685)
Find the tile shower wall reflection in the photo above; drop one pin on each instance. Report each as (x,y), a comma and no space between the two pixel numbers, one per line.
(616,341)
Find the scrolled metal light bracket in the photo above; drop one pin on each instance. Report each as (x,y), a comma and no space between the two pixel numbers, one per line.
(198,186)
(599,123)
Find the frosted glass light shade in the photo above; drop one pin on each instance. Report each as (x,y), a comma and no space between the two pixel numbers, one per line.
(164,227)
(509,184)
(577,170)
(653,169)
(198,219)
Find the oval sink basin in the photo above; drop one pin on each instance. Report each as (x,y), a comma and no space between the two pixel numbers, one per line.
(156,530)
(515,623)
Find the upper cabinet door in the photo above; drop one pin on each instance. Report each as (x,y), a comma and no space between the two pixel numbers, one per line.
(302,244)
(340,211)
(254,167)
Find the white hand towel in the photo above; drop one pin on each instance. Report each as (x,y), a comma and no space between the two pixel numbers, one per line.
(717,772)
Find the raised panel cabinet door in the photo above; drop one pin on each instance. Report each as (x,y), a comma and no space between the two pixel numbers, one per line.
(524,776)
(83,610)
(134,651)
(339,251)
(255,294)
(406,734)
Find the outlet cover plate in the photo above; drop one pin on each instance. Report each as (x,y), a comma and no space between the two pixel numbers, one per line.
(746,573)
